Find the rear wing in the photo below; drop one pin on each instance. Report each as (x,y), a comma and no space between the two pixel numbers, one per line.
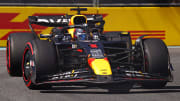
(63,20)
(50,21)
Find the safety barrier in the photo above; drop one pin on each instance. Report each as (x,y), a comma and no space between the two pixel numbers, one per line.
(157,22)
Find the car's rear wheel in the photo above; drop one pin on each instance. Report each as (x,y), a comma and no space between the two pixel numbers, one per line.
(15,47)
(39,60)
(156,61)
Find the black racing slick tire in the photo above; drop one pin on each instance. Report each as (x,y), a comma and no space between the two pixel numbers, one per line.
(156,61)
(39,60)
(15,48)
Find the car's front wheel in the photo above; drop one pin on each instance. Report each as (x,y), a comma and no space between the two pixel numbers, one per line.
(39,60)
(156,61)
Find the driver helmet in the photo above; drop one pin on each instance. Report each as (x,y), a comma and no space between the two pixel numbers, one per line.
(80,34)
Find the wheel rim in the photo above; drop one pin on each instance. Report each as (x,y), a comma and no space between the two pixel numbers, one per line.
(27,65)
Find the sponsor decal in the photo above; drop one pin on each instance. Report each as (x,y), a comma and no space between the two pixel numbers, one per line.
(54,20)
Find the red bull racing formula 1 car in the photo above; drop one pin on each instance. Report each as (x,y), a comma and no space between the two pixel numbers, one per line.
(78,52)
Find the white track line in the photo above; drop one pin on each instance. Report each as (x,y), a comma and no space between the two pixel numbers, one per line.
(173,46)
(2,48)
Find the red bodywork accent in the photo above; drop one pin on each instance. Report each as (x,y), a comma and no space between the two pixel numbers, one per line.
(106,59)
(93,46)
(26,49)
(90,60)
(80,50)
(75,80)
(63,81)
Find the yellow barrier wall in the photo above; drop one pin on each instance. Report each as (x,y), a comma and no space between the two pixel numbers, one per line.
(157,22)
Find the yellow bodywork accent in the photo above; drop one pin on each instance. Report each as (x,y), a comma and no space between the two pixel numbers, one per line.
(101,67)
(71,31)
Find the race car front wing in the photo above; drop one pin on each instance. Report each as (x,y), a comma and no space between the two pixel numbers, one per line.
(86,75)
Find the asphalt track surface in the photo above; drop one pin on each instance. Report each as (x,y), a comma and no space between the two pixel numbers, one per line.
(14,89)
